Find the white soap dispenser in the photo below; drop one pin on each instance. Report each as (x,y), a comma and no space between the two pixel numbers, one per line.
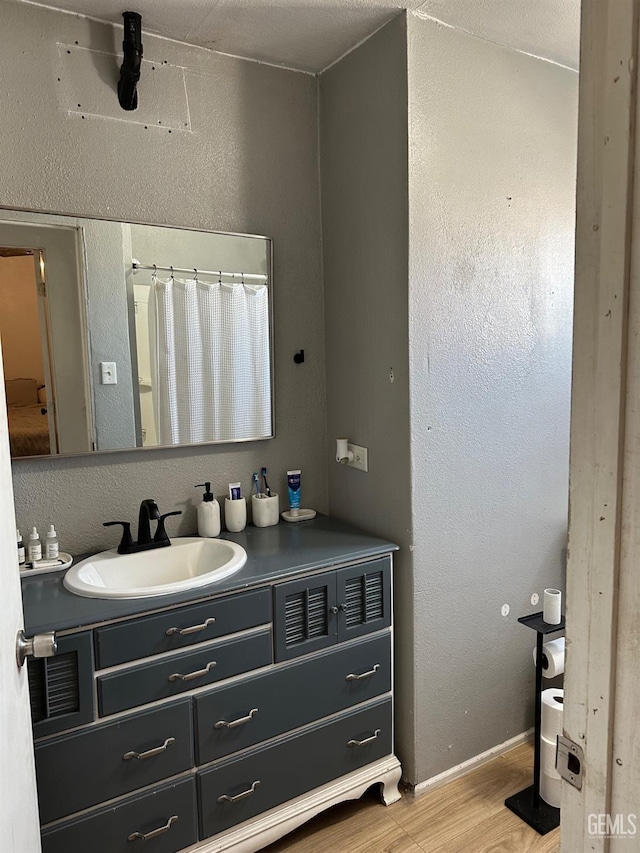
(208,513)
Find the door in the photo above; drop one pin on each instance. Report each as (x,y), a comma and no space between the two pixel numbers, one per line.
(19,826)
(57,251)
(364,599)
(602,687)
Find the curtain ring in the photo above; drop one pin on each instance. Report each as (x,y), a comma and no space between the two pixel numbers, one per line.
(154,274)
(196,273)
(242,274)
(219,276)
(171,268)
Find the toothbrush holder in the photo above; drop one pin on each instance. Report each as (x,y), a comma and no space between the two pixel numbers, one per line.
(265,510)
(235,514)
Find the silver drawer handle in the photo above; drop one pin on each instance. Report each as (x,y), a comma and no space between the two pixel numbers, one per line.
(223,724)
(225,798)
(194,629)
(353,677)
(367,740)
(177,676)
(150,752)
(147,836)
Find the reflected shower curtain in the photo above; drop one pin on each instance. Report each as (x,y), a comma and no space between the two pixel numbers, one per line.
(210,360)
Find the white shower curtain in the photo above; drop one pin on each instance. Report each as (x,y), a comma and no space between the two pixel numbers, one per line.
(210,360)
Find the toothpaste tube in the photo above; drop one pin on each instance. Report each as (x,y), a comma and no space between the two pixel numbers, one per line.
(293,484)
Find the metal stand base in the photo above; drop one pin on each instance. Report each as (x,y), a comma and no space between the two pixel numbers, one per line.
(543,819)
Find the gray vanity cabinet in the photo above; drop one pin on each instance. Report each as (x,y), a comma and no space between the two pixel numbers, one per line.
(163,820)
(87,767)
(61,687)
(264,706)
(168,756)
(320,611)
(234,791)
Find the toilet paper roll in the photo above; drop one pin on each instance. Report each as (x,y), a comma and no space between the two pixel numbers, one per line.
(552,609)
(552,658)
(548,756)
(551,790)
(552,707)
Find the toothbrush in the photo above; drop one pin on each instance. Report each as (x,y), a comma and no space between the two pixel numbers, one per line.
(266,485)
(256,483)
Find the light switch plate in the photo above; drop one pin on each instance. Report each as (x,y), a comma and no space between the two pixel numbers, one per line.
(108,373)
(360,457)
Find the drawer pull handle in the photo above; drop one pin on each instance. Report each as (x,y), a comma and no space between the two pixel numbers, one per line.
(194,629)
(177,676)
(225,798)
(366,740)
(147,836)
(223,724)
(353,677)
(150,752)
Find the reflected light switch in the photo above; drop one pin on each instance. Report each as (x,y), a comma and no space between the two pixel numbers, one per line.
(108,375)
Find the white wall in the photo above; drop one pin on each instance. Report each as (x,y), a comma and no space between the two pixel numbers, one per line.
(492,159)
(247,162)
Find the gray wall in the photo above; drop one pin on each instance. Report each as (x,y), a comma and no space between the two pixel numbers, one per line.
(491,226)
(363,124)
(246,161)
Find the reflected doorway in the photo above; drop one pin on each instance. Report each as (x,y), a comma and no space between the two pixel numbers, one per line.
(25,340)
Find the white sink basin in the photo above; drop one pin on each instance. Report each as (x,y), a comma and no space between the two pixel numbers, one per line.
(187,563)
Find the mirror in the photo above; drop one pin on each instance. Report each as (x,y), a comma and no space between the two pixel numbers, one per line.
(118,336)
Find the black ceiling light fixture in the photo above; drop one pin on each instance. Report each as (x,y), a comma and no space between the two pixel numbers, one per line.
(131,62)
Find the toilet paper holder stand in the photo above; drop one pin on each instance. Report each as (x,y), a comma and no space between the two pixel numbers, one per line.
(528,804)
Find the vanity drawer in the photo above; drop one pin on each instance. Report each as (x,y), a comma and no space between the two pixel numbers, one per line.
(174,629)
(234,791)
(263,706)
(137,685)
(77,771)
(169,811)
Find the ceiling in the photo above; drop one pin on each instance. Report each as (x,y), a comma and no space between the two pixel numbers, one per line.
(310,35)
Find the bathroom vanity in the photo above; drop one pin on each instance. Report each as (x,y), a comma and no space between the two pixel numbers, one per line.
(221,718)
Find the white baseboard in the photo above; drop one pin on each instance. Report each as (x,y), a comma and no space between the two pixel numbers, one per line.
(470,764)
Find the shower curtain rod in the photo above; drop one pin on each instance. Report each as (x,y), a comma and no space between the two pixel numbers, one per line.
(244,276)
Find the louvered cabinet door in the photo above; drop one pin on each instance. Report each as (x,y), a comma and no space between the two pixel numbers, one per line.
(364,598)
(61,687)
(305,616)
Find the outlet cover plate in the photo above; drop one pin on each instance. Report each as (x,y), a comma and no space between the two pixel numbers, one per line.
(360,457)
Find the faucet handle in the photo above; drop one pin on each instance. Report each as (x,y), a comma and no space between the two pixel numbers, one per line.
(161,533)
(126,543)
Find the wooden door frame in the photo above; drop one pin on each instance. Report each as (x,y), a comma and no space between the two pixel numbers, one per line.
(602,436)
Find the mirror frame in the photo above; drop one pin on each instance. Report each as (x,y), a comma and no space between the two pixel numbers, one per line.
(41,216)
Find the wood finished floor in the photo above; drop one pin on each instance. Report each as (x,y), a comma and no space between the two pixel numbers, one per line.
(467,815)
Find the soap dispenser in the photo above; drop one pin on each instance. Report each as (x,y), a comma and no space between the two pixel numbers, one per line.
(208,513)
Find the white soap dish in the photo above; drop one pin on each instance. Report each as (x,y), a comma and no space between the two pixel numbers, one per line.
(64,561)
(301,515)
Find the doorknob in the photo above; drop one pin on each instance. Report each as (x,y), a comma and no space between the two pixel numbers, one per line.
(39,646)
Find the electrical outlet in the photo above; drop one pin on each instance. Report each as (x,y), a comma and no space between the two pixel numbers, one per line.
(360,457)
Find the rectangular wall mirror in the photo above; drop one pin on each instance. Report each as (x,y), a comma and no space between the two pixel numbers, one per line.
(117,336)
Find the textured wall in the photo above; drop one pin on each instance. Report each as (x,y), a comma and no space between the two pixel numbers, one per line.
(363,129)
(246,162)
(492,182)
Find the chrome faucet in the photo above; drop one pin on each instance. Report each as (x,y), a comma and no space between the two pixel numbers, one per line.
(148,512)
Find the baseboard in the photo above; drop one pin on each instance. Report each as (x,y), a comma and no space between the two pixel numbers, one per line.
(470,764)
